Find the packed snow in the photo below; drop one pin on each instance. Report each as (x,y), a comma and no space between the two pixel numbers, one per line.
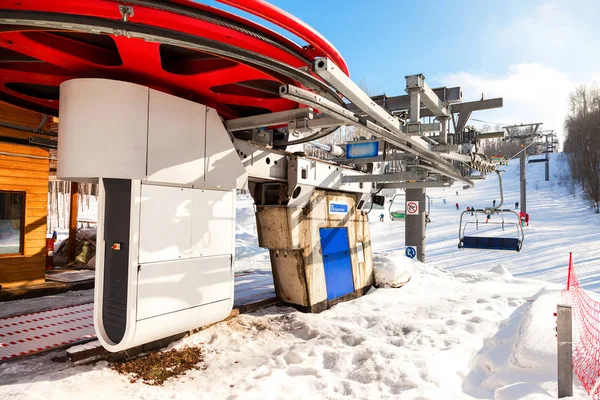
(468,324)
(393,269)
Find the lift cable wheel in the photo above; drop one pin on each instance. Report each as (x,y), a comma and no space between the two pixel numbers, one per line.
(473,241)
(182,48)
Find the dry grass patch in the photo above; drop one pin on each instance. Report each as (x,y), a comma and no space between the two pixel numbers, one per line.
(156,367)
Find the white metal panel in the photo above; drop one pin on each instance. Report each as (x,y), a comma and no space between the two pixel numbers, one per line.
(176,140)
(323,175)
(166,325)
(165,223)
(103,129)
(213,227)
(172,286)
(223,170)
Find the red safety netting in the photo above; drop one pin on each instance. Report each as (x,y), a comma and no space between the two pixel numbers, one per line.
(586,333)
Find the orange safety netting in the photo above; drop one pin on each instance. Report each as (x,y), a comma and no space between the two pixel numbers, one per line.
(586,333)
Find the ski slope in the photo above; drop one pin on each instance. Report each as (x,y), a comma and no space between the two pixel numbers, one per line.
(470,324)
(561,222)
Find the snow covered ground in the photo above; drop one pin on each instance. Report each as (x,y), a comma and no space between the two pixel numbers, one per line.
(561,222)
(467,324)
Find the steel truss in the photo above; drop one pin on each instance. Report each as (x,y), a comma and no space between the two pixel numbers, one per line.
(313,78)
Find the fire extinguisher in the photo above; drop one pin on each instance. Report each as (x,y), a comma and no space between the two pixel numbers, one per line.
(49,253)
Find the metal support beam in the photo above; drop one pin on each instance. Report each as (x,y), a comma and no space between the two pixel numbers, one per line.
(443,139)
(327,70)
(547,159)
(491,135)
(455,156)
(417,185)
(414,229)
(522,161)
(272,119)
(382,157)
(73,221)
(470,106)
(465,110)
(416,83)
(526,131)
(415,224)
(393,177)
(418,129)
(398,139)
(396,104)
(463,118)
(415,107)
(522,133)
(564,336)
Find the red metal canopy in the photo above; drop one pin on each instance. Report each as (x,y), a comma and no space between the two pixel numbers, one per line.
(180,47)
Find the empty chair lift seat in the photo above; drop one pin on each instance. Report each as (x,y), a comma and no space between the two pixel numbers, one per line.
(492,243)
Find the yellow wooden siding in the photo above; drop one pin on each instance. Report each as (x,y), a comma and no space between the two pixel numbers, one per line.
(29,175)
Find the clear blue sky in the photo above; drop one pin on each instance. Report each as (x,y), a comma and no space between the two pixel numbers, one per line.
(532,53)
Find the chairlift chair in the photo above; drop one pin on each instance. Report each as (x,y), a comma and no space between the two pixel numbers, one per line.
(397,213)
(492,243)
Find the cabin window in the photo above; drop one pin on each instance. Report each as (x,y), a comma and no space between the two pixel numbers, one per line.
(12,222)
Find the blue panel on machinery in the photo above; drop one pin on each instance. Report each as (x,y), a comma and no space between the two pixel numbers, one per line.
(336,262)
(362,149)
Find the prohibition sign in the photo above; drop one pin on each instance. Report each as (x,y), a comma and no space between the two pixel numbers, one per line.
(412,208)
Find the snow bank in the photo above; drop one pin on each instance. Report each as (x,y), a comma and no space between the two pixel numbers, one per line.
(536,344)
(522,349)
(393,269)
(501,270)
(522,391)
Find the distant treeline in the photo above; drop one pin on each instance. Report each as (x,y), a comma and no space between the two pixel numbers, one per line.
(582,144)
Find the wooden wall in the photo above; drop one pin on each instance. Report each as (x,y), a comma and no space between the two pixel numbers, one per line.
(30,175)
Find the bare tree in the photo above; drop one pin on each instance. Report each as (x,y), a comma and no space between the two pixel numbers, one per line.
(582,143)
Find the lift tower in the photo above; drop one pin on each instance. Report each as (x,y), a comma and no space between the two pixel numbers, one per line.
(525,134)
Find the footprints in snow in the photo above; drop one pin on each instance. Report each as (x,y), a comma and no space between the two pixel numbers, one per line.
(293,358)
(352,340)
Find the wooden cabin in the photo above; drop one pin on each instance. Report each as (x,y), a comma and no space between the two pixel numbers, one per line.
(24,170)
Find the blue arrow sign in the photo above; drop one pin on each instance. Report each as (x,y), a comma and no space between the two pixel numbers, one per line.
(411,252)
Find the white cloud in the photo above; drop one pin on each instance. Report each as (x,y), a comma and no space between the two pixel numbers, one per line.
(549,31)
(531,93)
(556,34)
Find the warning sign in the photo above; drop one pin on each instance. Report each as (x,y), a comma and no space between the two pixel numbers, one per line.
(412,207)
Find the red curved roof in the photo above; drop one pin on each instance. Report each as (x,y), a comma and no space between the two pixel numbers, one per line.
(34,60)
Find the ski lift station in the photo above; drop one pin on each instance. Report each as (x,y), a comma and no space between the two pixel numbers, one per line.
(171,107)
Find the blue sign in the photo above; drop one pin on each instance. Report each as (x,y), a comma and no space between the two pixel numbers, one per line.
(338,208)
(411,252)
(362,149)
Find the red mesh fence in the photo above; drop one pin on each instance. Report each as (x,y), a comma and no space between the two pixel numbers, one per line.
(586,333)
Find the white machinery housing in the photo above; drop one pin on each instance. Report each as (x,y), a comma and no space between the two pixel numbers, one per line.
(167,173)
